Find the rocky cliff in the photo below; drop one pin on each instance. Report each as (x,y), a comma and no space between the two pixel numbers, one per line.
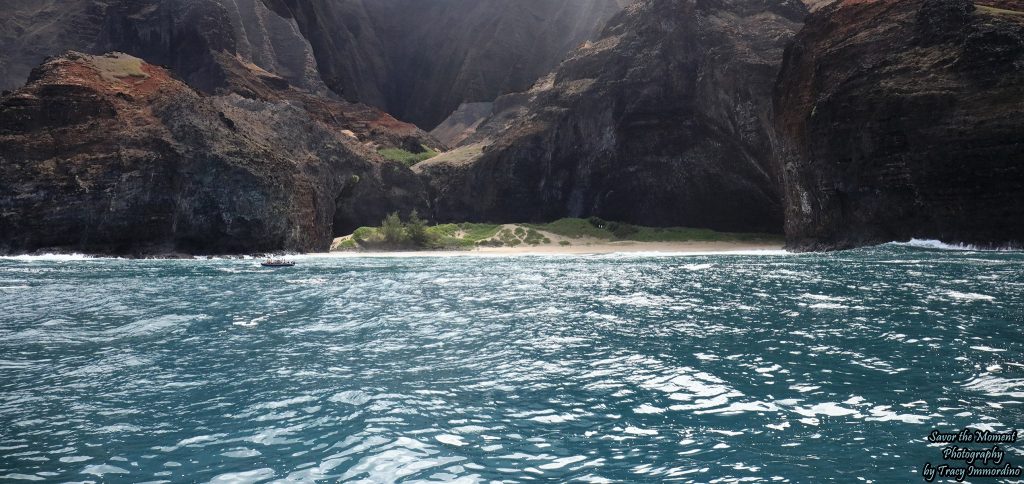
(417,60)
(903,119)
(111,154)
(183,35)
(663,120)
(420,60)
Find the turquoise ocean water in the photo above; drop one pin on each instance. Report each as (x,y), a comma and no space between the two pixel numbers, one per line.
(766,367)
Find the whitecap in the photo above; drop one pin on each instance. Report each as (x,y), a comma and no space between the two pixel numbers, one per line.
(697,267)
(939,245)
(826,306)
(49,257)
(969,296)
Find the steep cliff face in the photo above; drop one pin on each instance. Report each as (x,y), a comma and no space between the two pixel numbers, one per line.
(903,119)
(110,154)
(420,60)
(217,46)
(664,120)
(184,35)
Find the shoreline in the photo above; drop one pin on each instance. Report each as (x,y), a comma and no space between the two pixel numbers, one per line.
(601,248)
(662,249)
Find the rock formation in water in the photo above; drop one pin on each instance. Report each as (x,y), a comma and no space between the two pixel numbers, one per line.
(110,154)
(903,119)
(419,60)
(664,120)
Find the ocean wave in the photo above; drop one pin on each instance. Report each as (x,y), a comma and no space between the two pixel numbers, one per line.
(52,257)
(939,245)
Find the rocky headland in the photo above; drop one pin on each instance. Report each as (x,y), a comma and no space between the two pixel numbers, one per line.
(903,119)
(110,154)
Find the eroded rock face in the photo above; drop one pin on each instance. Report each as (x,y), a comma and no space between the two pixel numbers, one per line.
(184,35)
(109,154)
(903,119)
(664,120)
(420,60)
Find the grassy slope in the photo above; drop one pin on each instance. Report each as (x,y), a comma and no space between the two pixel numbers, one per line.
(407,158)
(469,235)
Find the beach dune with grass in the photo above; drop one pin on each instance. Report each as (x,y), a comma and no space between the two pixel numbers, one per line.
(564,236)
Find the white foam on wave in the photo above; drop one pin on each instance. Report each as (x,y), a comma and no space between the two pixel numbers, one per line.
(939,245)
(52,257)
(988,349)
(969,296)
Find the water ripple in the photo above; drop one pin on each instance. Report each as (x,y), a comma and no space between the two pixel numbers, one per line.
(621,368)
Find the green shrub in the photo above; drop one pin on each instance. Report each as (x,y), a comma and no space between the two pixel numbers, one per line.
(392,229)
(565,243)
(479,232)
(407,158)
(416,230)
(365,234)
(347,244)
(491,243)
(533,237)
(575,228)
(509,238)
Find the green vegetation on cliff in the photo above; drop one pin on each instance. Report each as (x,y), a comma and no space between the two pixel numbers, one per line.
(405,157)
(617,231)
(394,233)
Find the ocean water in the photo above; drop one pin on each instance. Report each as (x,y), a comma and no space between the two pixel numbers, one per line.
(767,367)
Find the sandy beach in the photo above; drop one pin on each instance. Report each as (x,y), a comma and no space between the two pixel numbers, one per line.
(594,248)
(631,246)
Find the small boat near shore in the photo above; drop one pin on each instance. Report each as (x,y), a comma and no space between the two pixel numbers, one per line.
(277,263)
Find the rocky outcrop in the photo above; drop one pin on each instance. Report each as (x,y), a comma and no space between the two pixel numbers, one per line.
(421,60)
(216,46)
(902,119)
(109,154)
(184,35)
(664,120)
(417,60)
